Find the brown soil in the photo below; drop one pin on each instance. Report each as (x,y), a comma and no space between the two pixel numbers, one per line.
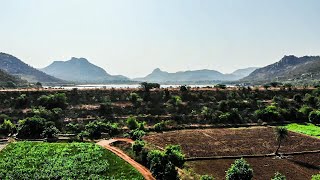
(298,167)
(143,170)
(232,141)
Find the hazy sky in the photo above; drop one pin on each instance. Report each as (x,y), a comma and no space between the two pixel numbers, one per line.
(132,37)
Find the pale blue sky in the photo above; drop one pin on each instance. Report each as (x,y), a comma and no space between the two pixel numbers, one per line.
(132,37)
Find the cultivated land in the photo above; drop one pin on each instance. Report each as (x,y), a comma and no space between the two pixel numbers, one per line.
(31,160)
(232,141)
(243,141)
(297,167)
(94,114)
(309,129)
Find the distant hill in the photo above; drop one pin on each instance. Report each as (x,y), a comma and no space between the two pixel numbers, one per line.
(241,73)
(6,78)
(198,75)
(80,70)
(289,68)
(16,67)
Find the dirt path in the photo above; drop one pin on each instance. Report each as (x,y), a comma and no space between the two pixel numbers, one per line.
(143,170)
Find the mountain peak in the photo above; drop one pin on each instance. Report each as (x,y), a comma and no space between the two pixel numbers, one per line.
(157,70)
(83,60)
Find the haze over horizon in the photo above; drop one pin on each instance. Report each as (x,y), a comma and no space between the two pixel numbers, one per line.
(132,38)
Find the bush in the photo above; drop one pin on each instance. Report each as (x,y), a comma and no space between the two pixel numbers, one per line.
(136,134)
(137,146)
(314,117)
(239,170)
(159,127)
(50,132)
(7,127)
(96,128)
(31,127)
(174,154)
(58,100)
(269,114)
(206,177)
(278,176)
(160,166)
(22,101)
(132,123)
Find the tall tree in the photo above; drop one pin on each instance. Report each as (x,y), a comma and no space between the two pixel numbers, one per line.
(281,135)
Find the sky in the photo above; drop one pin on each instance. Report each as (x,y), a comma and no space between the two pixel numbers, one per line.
(133,37)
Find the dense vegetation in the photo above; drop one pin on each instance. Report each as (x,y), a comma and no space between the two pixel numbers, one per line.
(70,111)
(30,160)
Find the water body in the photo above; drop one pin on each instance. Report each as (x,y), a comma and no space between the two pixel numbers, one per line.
(120,86)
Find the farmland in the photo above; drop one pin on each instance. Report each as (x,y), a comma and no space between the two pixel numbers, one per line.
(188,128)
(243,141)
(309,129)
(231,141)
(32,160)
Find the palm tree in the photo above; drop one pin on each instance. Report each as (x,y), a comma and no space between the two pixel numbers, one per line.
(281,134)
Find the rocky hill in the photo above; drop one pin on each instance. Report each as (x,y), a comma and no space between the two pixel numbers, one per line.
(158,75)
(80,70)
(16,67)
(289,68)
(241,73)
(6,78)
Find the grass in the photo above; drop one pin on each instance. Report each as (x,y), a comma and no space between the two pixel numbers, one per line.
(34,160)
(308,129)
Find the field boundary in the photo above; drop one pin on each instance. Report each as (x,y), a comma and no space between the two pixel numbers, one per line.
(249,156)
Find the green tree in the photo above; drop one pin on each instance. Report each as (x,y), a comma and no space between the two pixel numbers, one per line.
(50,132)
(7,127)
(137,146)
(240,170)
(147,86)
(281,134)
(314,117)
(136,134)
(174,154)
(132,123)
(31,127)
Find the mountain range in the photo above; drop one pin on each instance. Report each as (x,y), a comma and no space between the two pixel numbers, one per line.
(16,67)
(80,70)
(158,75)
(289,68)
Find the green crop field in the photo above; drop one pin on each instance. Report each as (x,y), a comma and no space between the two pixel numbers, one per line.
(309,129)
(32,160)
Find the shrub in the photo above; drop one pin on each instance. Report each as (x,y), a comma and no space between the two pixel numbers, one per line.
(7,127)
(50,132)
(136,134)
(239,170)
(58,100)
(22,101)
(31,127)
(314,117)
(206,177)
(96,128)
(159,127)
(174,154)
(137,146)
(132,123)
(278,176)
(160,166)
